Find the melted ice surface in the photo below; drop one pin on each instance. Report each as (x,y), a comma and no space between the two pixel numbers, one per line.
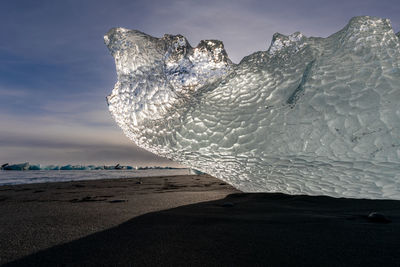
(317,116)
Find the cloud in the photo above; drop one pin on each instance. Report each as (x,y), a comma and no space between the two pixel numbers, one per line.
(13,93)
(51,140)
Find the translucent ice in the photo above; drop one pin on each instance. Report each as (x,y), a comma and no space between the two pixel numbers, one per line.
(317,116)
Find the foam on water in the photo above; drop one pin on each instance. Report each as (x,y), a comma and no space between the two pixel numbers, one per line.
(46,176)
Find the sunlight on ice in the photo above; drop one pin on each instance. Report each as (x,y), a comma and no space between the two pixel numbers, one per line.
(317,116)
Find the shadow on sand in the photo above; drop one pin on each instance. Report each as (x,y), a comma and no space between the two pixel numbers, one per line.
(242,230)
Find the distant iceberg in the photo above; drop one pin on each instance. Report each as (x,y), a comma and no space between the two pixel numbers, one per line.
(35,167)
(16,167)
(317,116)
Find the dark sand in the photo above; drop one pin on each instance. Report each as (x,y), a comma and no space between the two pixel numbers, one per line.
(189,221)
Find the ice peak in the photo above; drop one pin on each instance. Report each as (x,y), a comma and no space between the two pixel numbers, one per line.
(364,33)
(177,46)
(188,69)
(279,42)
(215,49)
(120,38)
(359,21)
(368,25)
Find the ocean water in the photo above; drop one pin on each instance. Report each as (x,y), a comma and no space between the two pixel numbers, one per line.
(46,176)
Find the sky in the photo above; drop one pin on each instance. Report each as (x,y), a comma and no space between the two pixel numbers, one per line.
(55,70)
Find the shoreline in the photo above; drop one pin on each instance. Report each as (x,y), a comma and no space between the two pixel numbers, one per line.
(193,220)
(49,176)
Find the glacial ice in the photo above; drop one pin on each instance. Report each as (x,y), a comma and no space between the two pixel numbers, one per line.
(316,116)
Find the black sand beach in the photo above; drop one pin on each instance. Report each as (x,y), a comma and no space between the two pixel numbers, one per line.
(189,221)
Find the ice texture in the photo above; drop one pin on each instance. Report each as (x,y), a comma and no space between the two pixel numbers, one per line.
(316,116)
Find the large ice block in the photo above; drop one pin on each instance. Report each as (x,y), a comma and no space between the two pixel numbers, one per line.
(316,116)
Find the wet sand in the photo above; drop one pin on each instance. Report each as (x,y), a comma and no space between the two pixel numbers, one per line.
(189,221)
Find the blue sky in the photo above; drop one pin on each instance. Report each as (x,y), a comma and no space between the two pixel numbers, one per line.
(55,70)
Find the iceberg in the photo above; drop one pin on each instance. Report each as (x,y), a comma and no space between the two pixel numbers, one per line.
(315,116)
(16,167)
